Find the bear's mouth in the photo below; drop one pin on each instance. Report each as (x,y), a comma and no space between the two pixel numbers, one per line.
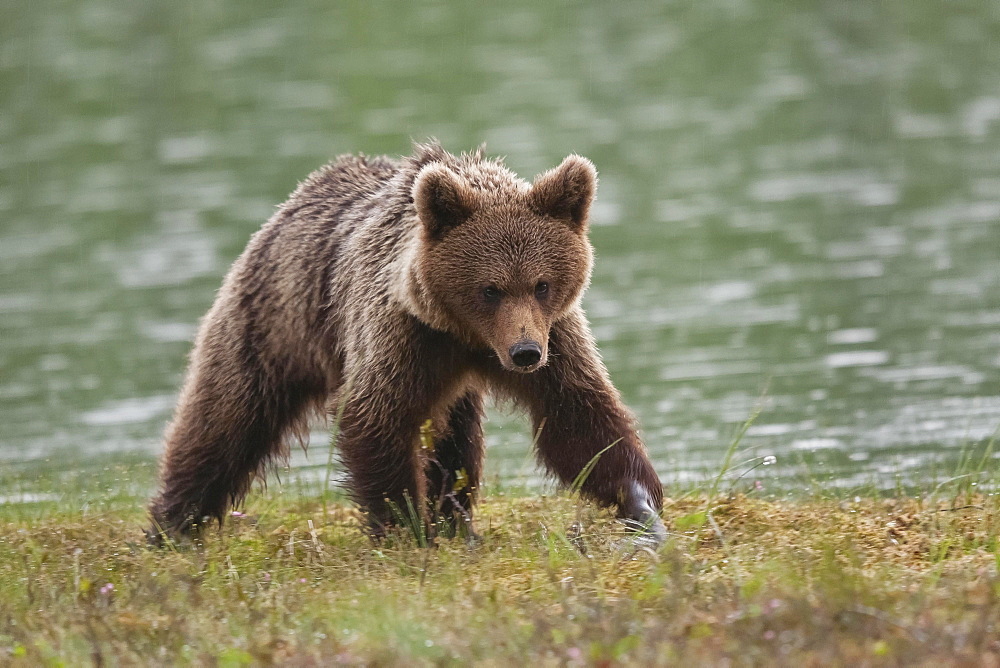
(527,369)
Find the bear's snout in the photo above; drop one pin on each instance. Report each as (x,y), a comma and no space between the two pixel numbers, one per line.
(525,353)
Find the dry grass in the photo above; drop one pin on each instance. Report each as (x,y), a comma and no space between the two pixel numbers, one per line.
(751,582)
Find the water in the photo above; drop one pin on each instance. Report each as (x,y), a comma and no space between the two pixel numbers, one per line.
(798,210)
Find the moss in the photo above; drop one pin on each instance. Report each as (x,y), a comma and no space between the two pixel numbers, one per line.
(868,581)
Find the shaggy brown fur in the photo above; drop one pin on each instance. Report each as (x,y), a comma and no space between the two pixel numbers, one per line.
(392,292)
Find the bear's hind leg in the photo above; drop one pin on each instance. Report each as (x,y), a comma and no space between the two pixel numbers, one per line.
(229,424)
(455,469)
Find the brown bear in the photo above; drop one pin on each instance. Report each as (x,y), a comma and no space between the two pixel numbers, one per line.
(393,292)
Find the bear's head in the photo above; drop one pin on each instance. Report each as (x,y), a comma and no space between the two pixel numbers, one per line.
(501,260)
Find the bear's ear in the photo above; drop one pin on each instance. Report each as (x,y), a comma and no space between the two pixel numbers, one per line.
(442,200)
(566,191)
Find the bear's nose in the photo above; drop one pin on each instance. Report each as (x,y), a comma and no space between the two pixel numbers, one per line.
(525,353)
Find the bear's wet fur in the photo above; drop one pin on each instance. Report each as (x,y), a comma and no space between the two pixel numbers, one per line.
(389,292)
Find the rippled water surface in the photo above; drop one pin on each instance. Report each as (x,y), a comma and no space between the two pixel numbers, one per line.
(799,210)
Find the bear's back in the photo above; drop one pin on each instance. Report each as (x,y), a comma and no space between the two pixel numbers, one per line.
(344,181)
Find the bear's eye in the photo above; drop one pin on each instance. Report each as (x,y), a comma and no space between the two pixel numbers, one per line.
(491,293)
(542,289)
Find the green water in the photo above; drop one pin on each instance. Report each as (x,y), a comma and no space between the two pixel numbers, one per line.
(799,208)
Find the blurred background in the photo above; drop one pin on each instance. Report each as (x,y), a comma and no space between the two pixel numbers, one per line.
(798,211)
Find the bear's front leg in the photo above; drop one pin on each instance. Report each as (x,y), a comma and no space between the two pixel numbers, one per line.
(379,447)
(389,395)
(579,416)
(455,469)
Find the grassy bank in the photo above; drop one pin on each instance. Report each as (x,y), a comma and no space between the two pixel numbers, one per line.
(863,581)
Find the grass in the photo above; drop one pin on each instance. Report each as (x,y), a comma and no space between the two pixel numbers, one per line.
(741,581)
